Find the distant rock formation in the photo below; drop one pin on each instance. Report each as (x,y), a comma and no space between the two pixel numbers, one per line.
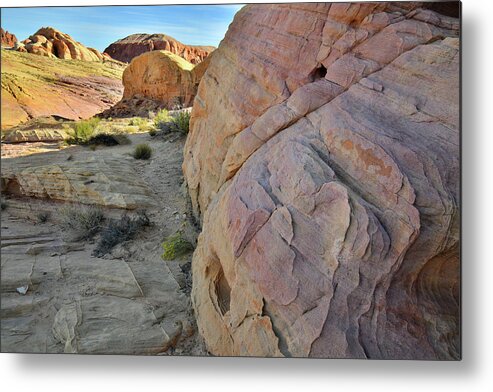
(50,42)
(156,80)
(134,45)
(323,161)
(8,40)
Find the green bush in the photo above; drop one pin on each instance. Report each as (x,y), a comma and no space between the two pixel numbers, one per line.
(175,246)
(118,231)
(83,130)
(138,121)
(142,151)
(152,132)
(162,119)
(181,122)
(81,222)
(106,139)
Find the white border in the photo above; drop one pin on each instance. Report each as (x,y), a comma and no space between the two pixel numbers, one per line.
(21,373)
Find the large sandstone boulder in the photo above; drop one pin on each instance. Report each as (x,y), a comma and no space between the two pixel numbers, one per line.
(323,161)
(50,42)
(7,39)
(134,45)
(156,80)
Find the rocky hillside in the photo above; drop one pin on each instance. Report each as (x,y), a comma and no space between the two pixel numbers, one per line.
(50,42)
(134,45)
(8,40)
(323,161)
(35,86)
(156,80)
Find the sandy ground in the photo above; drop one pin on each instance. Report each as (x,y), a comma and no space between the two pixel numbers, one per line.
(130,301)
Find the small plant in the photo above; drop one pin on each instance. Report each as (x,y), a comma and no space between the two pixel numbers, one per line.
(142,151)
(3,205)
(118,231)
(181,122)
(81,222)
(144,127)
(83,130)
(107,139)
(162,119)
(43,216)
(175,246)
(152,132)
(137,121)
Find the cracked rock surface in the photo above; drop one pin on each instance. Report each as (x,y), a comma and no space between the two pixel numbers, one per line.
(323,162)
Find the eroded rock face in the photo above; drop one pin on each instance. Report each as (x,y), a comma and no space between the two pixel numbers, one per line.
(50,42)
(134,45)
(7,39)
(328,183)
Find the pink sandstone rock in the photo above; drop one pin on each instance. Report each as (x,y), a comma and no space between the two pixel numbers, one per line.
(323,162)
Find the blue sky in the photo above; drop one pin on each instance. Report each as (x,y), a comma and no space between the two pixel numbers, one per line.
(97,27)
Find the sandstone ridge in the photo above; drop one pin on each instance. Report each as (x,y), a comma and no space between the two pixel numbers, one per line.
(327,183)
(134,45)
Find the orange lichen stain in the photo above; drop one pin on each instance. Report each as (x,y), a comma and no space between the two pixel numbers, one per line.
(367,156)
(347,144)
(370,159)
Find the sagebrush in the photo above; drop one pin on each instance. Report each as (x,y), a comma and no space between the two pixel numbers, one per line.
(119,230)
(81,222)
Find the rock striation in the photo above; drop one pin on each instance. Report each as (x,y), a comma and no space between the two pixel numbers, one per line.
(104,181)
(7,39)
(323,162)
(134,45)
(50,42)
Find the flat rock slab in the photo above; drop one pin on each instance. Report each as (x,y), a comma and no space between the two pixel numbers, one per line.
(105,180)
(76,303)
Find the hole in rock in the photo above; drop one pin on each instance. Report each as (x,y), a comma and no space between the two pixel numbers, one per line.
(223,292)
(447,8)
(11,187)
(318,73)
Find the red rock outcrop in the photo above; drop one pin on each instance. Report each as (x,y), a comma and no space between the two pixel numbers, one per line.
(7,39)
(134,45)
(323,161)
(50,42)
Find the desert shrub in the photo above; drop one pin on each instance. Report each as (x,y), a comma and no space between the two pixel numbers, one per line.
(162,119)
(109,140)
(137,121)
(152,132)
(83,130)
(43,216)
(175,246)
(118,231)
(142,151)
(81,222)
(180,122)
